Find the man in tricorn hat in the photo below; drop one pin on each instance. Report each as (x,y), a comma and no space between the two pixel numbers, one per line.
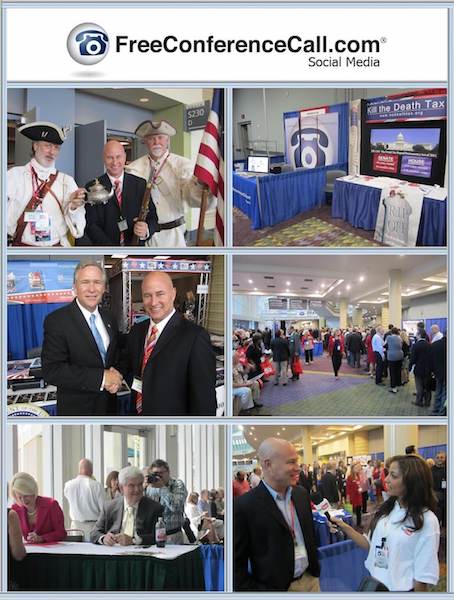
(44,205)
(172,179)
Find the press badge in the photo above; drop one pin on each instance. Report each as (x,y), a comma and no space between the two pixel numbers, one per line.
(443,484)
(381,555)
(137,385)
(122,225)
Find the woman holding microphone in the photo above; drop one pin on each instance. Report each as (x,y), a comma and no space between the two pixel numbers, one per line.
(404,533)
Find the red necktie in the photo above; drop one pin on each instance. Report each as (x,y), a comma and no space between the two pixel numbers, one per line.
(150,343)
(118,194)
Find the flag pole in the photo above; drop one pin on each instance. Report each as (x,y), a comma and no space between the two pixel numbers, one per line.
(203,210)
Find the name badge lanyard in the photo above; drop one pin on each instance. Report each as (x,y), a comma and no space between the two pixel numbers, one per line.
(38,186)
(292,527)
(158,170)
(382,551)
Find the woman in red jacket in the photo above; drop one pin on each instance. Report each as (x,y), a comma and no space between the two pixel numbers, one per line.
(336,350)
(41,519)
(354,491)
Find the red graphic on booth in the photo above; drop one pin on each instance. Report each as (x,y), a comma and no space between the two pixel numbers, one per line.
(387,163)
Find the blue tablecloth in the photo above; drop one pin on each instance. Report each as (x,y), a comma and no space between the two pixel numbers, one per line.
(318,348)
(358,205)
(342,567)
(271,199)
(323,537)
(213,567)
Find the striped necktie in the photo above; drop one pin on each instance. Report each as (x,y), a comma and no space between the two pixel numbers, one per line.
(150,343)
(98,338)
(119,195)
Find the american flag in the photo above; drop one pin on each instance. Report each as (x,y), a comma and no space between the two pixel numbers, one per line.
(209,168)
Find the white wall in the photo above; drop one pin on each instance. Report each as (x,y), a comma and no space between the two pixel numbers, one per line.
(265,108)
(427,307)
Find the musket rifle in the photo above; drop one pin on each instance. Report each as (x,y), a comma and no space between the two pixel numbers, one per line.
(145,207)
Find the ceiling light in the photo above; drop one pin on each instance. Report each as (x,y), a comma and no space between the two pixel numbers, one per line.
(348,287)
(108,266)
(338,293)
(283,429)
(144,99)
(361,278)
(252,427)
(255,289)
(322,285)
(278,433)
(250,281)
(288,283)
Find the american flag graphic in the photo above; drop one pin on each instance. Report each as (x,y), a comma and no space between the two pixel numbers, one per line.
(209,168)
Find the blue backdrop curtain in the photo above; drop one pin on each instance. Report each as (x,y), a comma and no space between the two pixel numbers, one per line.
(442,324)
(25,327)
(432,451)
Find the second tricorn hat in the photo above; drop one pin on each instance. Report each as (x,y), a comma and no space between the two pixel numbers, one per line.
(43,131)
(155,128)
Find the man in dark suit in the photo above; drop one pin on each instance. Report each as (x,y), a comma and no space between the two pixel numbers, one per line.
(114,223)
(274,540)
(80,349)
(129,519)
(170,357)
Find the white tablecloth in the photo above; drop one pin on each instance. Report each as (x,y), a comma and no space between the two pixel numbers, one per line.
(170,552)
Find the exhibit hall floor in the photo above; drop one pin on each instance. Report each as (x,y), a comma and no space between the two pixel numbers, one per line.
(313,228)
(354,393)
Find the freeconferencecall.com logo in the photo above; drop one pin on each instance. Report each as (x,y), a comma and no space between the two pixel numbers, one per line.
(88,43)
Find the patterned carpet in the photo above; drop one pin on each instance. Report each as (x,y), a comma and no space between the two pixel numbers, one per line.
(313,232)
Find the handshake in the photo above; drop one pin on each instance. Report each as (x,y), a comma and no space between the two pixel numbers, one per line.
(113,380)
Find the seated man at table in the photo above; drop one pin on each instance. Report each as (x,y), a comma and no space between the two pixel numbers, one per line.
(130,518)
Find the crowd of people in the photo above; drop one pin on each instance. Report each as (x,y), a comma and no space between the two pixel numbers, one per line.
(125,511)
(259,356)
(399,504)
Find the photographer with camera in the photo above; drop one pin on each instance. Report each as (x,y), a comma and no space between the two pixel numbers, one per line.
(171,494)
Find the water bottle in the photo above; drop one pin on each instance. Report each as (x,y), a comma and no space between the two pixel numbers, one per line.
(160,533)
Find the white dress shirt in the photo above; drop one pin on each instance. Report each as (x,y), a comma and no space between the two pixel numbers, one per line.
(86,498)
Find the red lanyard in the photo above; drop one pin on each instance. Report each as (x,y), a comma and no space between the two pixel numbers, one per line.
(292,515)
(38,185)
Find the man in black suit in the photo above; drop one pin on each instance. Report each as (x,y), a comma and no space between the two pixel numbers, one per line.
(274,539)
(114,223)
(80,349)
(170,357)
(129,519)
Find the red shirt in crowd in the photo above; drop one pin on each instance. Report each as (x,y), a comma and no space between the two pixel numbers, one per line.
(240,487)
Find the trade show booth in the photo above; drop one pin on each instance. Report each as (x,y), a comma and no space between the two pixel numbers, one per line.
(380,163)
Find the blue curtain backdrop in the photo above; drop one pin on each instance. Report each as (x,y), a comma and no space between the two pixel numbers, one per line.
(432,451)
(442,324)
(25,327)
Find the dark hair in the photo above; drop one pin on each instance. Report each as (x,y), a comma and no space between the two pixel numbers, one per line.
(373,331)
(423,334)
(256,339)
(395,331)
(160,464)
(419,495)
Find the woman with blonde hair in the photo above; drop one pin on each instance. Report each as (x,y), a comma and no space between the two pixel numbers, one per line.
(41,519)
